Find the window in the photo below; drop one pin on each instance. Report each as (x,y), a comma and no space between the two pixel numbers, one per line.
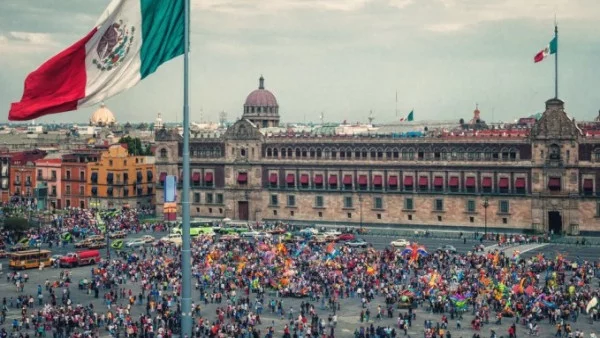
(597,209)
(110,163)
(408,203)
(472,219)
(378,202)
(274,200)
(349,215)
(274,212)
(68,190)
(219,198)
(68,175)
(470,206)
(53,174)
(163,153)
(39,173)
(196,197)
(109,192)
(319,201)
(504,207)
(439,218)
(81,191)
(504,220)
(125,192)
(348,202)
(291,201)
(94,191)
(209,198)
(378,216)
(409,217)
(292,213)
(149,190)
(439,204)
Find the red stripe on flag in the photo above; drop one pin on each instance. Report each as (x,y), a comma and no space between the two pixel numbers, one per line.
(539,56)
(56,86)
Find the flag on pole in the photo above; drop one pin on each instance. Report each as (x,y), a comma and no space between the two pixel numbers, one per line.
(550,49)
(409,117)
(130,41)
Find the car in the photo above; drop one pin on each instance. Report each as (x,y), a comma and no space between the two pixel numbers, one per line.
(311,231)
(55,259)
(400,243)
(117,234)
(357,243)
(148,239)
(97,245)
(117,244)
(229,237)
(134,243)
(346,237)
(448,248)
(332,232)
(82,244)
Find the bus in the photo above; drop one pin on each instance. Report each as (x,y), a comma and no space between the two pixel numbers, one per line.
(29,259)
(197,227)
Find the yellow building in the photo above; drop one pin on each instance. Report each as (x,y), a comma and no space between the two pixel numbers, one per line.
(120,180)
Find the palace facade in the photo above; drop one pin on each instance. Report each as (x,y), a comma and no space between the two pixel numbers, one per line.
(544,178)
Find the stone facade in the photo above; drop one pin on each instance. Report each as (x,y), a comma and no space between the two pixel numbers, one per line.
(546,181)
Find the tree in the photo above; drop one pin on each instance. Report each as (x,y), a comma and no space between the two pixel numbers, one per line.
(17,225)
(134,145)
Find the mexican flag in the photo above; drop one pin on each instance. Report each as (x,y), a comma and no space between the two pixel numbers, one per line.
(130,41)
(409,117)
(550,49)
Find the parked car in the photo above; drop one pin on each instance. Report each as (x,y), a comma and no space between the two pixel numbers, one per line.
(55,259)
(400,243)
(117,234)
(448,248)
(357,243)
(332,232)
(82,244)
(148,239)
(97,245)
(134,243)
(346,237)
(117,244)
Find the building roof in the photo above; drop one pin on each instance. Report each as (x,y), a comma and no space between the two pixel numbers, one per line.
(102,117)
(261,97)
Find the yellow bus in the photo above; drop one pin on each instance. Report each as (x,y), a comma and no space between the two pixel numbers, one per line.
(29,259)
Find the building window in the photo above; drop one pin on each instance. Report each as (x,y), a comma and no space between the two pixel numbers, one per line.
(149,190)
(110,163)
(472,219)
(349,215)
(53,175)
(68,190)
(409,217)
(319,201)
(504,220)
(219,198)
(348,202)
(125,192)
(504,207)
(274,200)
(291,212)
(274,212)
(197,197)
(470,206)
(378,216)
(378,202)
(81,191)
(439,204)
(39,175)
(68,175)
(209,198)
(408,203)
(439,218)
(163,153)
(109,192)
(597,209)
(291,201)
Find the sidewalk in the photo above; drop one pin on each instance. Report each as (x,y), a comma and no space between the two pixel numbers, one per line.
(510,250)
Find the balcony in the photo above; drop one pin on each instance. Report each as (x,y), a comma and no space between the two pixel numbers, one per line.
(17,182)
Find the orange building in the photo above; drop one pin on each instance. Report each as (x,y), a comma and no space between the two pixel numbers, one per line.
(22,173)
(120,180)
(74,176)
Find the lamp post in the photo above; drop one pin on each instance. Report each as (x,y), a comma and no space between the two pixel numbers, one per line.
(360,200)
(486,204)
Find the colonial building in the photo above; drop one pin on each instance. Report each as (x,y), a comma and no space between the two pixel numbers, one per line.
(545,178)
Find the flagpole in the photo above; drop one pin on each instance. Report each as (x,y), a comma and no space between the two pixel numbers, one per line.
(396,103)
(556,61)
(186,299)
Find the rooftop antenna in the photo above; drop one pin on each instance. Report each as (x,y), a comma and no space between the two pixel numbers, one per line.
(371,117)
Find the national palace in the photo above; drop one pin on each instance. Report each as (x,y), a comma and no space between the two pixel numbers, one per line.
(543,176)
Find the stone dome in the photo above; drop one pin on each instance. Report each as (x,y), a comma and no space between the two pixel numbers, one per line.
(102,117)
(261,107)
(261,97)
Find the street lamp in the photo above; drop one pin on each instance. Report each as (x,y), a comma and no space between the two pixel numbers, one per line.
(360,200)
(485,206)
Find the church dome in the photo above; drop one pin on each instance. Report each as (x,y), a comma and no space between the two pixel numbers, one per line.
(261,97)
(102,117)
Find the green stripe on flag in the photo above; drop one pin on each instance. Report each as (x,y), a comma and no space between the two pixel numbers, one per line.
(553,47)
(163,26)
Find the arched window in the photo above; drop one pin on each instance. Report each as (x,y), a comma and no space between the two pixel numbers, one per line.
(163,153)
(554,152)
(275,153)
(269,152)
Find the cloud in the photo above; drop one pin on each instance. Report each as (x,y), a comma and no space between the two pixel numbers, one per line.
(242,7)
(16,42)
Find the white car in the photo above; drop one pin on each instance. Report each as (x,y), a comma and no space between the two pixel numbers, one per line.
(55,259)
(135,243)
(256,235)
(332,233)
(311,231)
(400,243)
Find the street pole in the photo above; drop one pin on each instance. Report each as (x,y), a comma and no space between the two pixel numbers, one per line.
(485,206)
(361,214)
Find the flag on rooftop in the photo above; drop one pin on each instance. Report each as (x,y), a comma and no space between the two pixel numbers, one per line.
(409,117)
(130,41)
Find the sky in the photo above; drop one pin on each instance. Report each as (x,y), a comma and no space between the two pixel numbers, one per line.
(342,58)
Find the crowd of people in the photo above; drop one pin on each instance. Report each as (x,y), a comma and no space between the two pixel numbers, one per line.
(247,284)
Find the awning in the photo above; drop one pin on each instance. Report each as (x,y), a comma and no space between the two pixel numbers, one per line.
(408,181)
(470,182)
(486,182)
(503,183)
(242,177)
(208,177)
(554,183)
(393,181)
(290,178)
(438,181)
(347,180)
(304,179)
(453,182)
(423,181)
(378,180)
(163,176)
(332,179)
(362,180)
(588,184)
(520,183)
(196,177)
(318,179)
(273,178)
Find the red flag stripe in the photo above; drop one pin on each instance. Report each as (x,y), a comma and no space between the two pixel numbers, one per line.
(539,56)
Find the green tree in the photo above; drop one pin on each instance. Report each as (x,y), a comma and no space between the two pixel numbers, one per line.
(134,145)
(16,224)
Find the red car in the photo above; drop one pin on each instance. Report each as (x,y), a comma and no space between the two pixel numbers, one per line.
(346,237)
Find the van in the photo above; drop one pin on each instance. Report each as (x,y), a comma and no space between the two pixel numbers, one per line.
(196,229)
(234,227)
